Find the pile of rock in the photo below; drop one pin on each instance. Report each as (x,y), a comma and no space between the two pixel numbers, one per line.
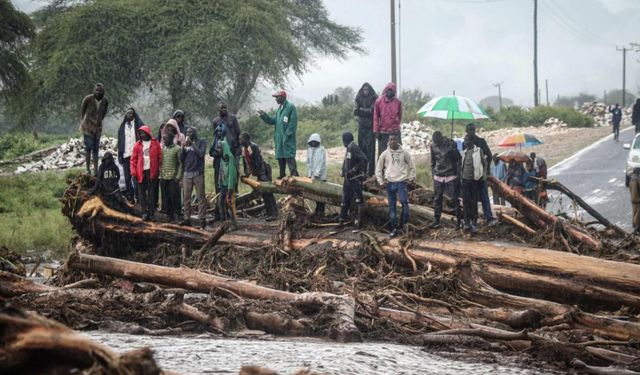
(68,155)
(602,116)
(554,123)
(416,137)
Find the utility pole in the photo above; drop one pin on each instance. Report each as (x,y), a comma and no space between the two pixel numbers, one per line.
(535,53)
(546,87)
(499,86)
(604,98)
(624,72)
(393,42)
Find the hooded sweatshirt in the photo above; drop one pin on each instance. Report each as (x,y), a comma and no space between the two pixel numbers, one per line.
(316,159)
(395,166)
(228,170)
(138,158)
(192,157)
(178,138)
(363,108)
(387,113)
(354,165)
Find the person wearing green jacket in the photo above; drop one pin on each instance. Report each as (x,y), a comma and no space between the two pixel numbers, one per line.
(170,176)
(286,123)
(228,179)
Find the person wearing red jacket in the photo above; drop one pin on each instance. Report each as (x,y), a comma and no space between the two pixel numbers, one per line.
(387,117)
(146,159)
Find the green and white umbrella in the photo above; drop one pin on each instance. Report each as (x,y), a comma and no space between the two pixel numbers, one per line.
(453,108)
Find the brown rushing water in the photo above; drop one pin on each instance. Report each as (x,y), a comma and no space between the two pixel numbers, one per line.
(206,354)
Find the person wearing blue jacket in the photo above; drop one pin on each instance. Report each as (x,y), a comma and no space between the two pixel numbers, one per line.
(499,171)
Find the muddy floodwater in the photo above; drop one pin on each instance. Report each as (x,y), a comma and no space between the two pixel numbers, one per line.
(212,355)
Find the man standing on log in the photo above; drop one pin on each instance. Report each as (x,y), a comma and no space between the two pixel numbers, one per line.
(127,138)
(192,157)
(354,170)
(634,190)
(445,166)
(484,190)
(170,176)
(286,123)
(225,127)
(145,167)
(255,165)
(363,110)
(394,170)
(387,117)
(317,165)
(473,173)
(92,111)
(228,180)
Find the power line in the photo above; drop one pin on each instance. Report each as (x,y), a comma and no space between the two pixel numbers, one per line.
(570,28)
(578,26)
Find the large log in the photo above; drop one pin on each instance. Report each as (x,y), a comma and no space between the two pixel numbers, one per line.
(539,216)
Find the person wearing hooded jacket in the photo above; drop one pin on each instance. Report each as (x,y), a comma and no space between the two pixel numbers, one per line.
(254,165)
(387,117)
(354,170)
(127,138)
(317,165)
(225,127)
(363,110)
(286,124)
(445,166)
(394,170)
(108,184)
(474,174)
(192,153)
(145,168)
(228,180)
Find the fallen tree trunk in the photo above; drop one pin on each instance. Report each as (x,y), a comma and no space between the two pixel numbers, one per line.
(341,327)
(539,216)
(12,285)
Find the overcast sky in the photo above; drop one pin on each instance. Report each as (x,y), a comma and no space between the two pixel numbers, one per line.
(468,45)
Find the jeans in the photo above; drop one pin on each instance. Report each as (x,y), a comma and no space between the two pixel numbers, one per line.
(398,191)
(440,189)
(188,185)
(146,193)
(170,190)
(91,144)
(367,143)
(483,196)
(349,189)
(471,190)
(383,139)
(497,199)
(293,168)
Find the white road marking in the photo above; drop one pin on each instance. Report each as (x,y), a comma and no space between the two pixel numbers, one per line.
(612,180)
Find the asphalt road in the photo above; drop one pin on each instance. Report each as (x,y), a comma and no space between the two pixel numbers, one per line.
(596,174)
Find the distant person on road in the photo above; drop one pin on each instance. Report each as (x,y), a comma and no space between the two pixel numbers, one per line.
(634,190)
(499,171)
(145,168)
(354,170)
(286,124)
(92,111)
(254,165)
(530,185)
(170,176)
(484,191)
(127,138)
(540,165)
(616,118)
(394,170)
(317,165)
(445,168)
(474,166)
(635,115)
(387,117)
(192,153)
(363,110)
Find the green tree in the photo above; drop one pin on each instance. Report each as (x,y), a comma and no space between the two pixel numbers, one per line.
(16,29)
(494,102)
(615,96)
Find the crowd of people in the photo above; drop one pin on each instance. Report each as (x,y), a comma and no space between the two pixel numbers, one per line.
(172,164)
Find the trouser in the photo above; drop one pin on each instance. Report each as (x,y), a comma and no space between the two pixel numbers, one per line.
(383,140)
(188,185)
(471,192)
(270,205)
(483,196)
(497,199)
(227,208)
(349,189)
(398,191)
(170,190)
(367,143)
(637,127)
(616,131)
(530,194)
(440,189)
(126,167)
(116,201)
(146,191)
(635,211)
(216,185)
(293,168)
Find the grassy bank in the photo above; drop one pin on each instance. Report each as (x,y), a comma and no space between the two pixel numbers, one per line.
(30,217)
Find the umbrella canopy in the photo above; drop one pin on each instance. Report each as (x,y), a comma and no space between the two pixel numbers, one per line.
(513,155)
(453,108)
(520,139)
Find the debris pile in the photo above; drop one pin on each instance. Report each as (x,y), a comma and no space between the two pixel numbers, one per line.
(602,116)
(416,137)
(67,155)
(554,123)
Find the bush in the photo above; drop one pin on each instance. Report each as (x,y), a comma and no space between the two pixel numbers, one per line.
(519,116)
(13,145)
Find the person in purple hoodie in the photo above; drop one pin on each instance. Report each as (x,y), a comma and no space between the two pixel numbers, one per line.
(387,117)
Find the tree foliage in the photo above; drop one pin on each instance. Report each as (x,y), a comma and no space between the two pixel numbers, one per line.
(190,54)
(16,28)
(494,102)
